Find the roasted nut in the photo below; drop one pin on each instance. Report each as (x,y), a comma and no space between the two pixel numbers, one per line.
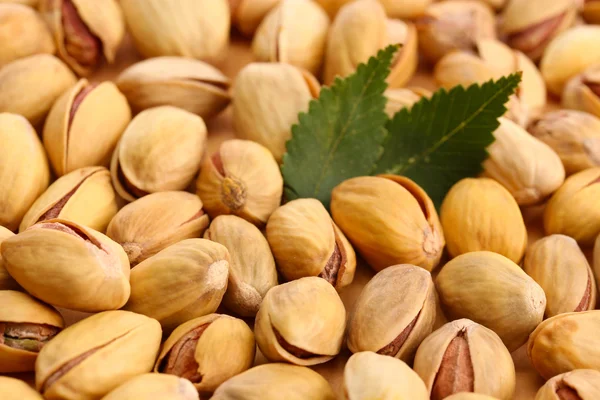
(153,222)
(591,11)
(241,178)
(397,99)
(68,265)
(306,242)
(208,351)
(26,325)
(6,281)
(394,313)
(332,6)
(154,386)
(573,210)
(24,171)
(580,384)
(252,269)
(274,381)
(368,375)
(267,98)
(16,389)
(390,220)
(184,281)
(493,291)
(405,9)
(161,150)
(583,91)
(301,322)
(480,214)
(92,357)
(247,15)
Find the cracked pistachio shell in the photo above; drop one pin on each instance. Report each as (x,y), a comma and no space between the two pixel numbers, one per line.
(274,381)
(583,91)
(480,214)
(267,98)
(573,210)
(301,322)
(192,85)
(492,290)
(161,150)
(252,269)
(569,54)
(359,31)
(24,171)
(184,281)
(153,222)
(395,311)
(463,356)
(6,281)
(369,375)
(84,126)
(566,342)
(22,33)
(306,242)
(95,355)
(208,351)
(596,260)
(247,15)
(390,220)
(188,28)
(26,325)
(579,384)
(241,178)
(154,386)
(84,196)
(17,389)
(591,11)
(294,32)
(397,99)
(41,260)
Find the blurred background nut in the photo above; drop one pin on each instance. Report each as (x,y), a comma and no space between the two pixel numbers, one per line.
(208,351)
(17,389)
(397,99)
(161,150)
(151,223)
(470,396)
(463,356)
(246,15)
(154,386)
(405,9)
(395,311)
(597,260)
(306,242)
(6,281)
(30,3)
(583,91)
(390,220)
(579,384)
(591,11)
(301,322)
(192,85)
(188,28)
(368,375)
(493,291)
(184,281)
(26,325)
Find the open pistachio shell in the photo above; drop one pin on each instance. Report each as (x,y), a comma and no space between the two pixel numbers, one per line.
(154,386)
(397,99)
(6,281)
(247,15)
(582,92)
(579,384)
(17,389)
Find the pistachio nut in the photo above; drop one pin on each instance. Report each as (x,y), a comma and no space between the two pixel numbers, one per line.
(188,28)
(26,326)
(24,171)
(84,126)
(151,223)
(86,32)
(573,210)
(6,281)
(395,311)
(294,32)
(23,33)
(241,178)
(369,375)
(42,259)
(95,355)
(301,322)
(332,6)
(390,220)
(30,3)
(17,389)
(454,25)
(30,86)
(192,85)
(397,99)
(208,351)
(274,381)
(184,281)
(569,54)
(247,15)
(495,4)
(470,396)
(306,242)
(591,11)
(493,291)
(252,269)
(161,150)
(154,386)
(582,92)
(530,25)
(480,214)
(358,32)
(579,384)
(267,98)
(406,9)
(565,342)
(596,260)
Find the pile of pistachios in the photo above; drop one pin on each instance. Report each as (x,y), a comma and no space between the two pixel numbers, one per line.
(191,264)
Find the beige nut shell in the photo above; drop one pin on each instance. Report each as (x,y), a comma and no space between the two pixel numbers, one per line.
(585,382)
(154,386)
(6,281)
(17,389)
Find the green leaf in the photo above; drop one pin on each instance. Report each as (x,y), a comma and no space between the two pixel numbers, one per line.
(443,139)
(340,137)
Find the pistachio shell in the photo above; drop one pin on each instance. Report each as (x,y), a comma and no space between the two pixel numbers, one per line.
(248,14)
(398,99)
(591,11)
(405,9)
(597,260)
(470,396)
(154,386)
(6,281)
(16,389)
(578,384)
(332,6)
(30,3)
(582,92)
(95,355)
